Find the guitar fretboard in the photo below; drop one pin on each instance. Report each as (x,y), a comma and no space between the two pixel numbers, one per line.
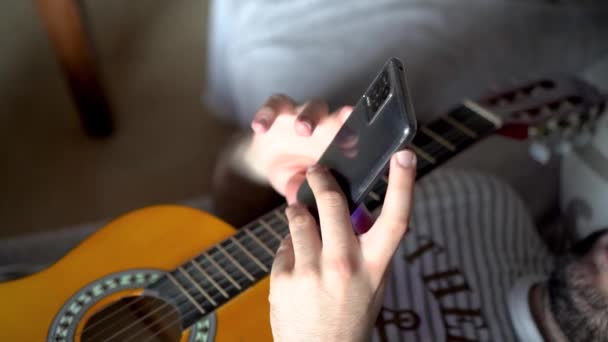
(204,283)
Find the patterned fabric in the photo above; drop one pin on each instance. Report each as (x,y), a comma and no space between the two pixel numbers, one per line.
(470,240)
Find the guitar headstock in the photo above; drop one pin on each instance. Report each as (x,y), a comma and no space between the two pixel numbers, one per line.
(554,112)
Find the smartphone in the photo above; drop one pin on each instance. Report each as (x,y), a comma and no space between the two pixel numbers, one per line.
(382,122)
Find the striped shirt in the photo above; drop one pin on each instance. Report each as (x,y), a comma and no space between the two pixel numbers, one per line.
(470,240)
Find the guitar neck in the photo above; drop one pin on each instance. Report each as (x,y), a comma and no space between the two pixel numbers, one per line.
(204,283)
(442,139)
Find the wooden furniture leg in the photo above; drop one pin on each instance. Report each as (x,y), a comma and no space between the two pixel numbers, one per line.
(67,32)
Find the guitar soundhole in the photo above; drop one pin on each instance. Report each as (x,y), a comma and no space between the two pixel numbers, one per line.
(134,319)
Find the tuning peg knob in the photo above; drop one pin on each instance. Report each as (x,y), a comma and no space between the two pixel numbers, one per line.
(540,152)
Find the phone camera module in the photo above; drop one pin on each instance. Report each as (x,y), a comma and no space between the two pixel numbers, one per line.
(378,94)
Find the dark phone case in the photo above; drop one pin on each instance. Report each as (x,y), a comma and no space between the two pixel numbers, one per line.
(381,123)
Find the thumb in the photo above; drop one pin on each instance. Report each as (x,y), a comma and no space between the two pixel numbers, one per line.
(381,241)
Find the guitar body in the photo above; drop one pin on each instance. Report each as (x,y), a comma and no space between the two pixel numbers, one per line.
(155,238)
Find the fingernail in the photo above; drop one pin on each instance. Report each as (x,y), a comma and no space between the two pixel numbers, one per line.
(406,158)
(306,124)
(258,127)
(263,115)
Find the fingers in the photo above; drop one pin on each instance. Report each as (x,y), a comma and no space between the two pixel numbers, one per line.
(275,105)
(336,228)
(284,257)
(311,114)
(304,236)
(344,112)
(381,241)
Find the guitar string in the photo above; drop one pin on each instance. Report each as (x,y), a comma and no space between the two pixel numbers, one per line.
(189,289)
(212,273)
(194,310)
(255,224)
(433,142)
(440,147)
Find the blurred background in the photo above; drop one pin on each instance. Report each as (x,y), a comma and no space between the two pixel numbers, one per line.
(151,57)
(181,77)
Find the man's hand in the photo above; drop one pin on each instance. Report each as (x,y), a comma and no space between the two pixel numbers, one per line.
(288,139)
(329,286)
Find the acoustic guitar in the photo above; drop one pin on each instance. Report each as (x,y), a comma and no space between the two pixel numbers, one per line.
(171,273)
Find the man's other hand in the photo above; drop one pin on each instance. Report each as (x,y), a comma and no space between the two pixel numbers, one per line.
(289,138)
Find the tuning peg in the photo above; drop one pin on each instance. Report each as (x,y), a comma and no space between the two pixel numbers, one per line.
(532,132)
(552,125)
(540,152)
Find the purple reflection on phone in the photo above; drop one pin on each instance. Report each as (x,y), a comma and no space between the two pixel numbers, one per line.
(361,219)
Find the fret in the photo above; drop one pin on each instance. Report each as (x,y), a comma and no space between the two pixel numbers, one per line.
(234,271)
(236,264)
(420,153)
(191,286)
(267,238)
(380,189)
(259,242)
(374,195)
(193,275)
(491,117)
(432,148)
(248,253)
(280,216)
(222,271)
(464,129)
(475,122)
(256,249)
(222,281)
(278,224)
(186,293)
(423,167)
(438,138)
(208,277)
(265,225)
(197,286)
(456,137)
